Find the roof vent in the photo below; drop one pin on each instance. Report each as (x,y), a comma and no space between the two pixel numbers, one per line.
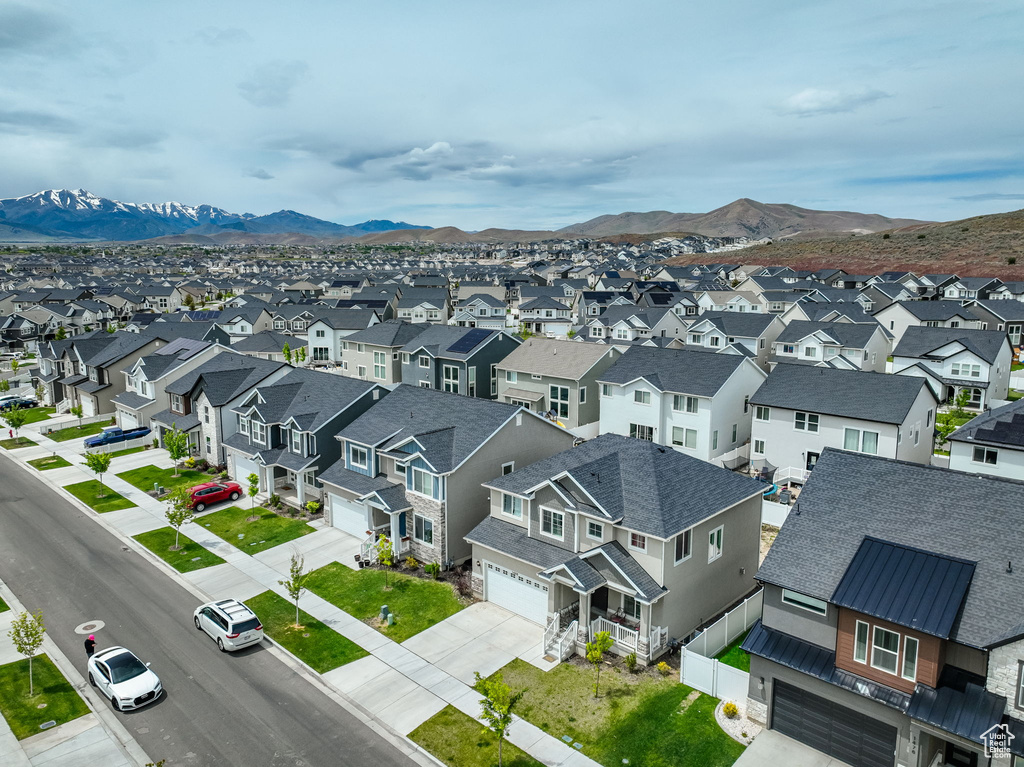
(1009,567)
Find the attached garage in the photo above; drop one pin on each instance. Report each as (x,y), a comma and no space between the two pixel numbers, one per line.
(514,592)
(840,732)
(127,419)
(346,515)
(240,467)
(88,406)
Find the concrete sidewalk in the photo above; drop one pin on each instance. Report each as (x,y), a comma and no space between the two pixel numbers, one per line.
(398,685)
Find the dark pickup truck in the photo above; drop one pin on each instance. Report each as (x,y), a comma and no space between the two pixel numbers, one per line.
(113,434)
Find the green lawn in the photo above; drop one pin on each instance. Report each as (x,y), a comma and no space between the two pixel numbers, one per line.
(98,497)
(160,542)
(37,414)
(49,462)
(77,432)
(127,451)
(942,452)
(1017,366)
(144,477)
(14,444)
(315,644)
(637,716)
(733,656)
(1014,395)
(3,606)
(459,740)
(950,418)
(22,712)
(417,603)
(268,531)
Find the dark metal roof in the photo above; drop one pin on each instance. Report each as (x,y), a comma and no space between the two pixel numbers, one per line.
(967,713)
(905,586)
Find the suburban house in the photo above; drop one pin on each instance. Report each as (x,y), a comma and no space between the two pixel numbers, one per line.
(750,334)
(93,365)
(456,360)
(267,345)
(970,288)
(245,320)
(480,310)
(693,401)
(845,345)
(1001,314)
(991,443)
(623,325)
(800,411)
(899,316)
(618,535)
(286,431)
(546,316)
(423,305)
(374,354)
(892,633)
(325,333)
(952,360)
(557,378)
(412,466)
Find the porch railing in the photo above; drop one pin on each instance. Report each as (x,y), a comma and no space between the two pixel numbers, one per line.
(551,632)
(568,641)
(791,474)
(658,638)
(368,548)
(622,635)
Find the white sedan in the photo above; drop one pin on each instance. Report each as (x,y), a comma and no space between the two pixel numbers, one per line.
(123,678)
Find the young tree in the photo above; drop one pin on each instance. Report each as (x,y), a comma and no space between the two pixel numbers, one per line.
(5,385)
(496,705)
(254,487)
(176,442)
(40,393)
(595,655)
(385,556)
(190,301)
(15,365)
(15,418)
(300,355)
(179,511)
(99,463)
(286,350)
(296,583)
(26,633)
(77,411)
(61,335)
(963,398)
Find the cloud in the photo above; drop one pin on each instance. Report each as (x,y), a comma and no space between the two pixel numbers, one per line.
(22,27)
(218,36)
(812,102)
(24,121)
(126,138)
(271,84)
(953,176)
(258,173)
(987,197)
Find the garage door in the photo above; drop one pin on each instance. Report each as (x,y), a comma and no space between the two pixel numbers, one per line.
(88,406)
(242,468)
(514,592)
(348,516)
(835,730)
(128,420)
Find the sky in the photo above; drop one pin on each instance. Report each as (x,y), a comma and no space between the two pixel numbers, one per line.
(526,114)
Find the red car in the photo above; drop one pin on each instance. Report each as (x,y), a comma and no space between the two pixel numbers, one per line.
(214,492)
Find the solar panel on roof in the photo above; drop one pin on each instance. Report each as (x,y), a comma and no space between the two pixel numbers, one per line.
(470,340)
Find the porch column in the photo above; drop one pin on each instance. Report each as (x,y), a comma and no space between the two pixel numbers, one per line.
(396,534)
(643,642)
(300,489)
(583,628)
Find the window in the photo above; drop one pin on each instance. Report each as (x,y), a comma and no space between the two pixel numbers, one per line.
(986,455)
(595,530)
(379,365)
(583,394)
(422,482)
(606,390)
(320,353)
(511,376)
(860,441)
(638,542)
(622,334)
(243,425)
(805,422)
(965,370)
(423,530)
(714,341)
(758,447)
(928,419)
(762,413)
(451,378)
(810,351)
(684,546)
(684,437)
(320,334)
(714,544)
(642,397)
(641,432)
(860,643)
(696,338)
(885,649)
(359,456)
(805,602)
(296,441)
(361,371)
(734,434)
(405,358)
(206,414)
(176,405)
(630,607)
(909,658)
(259,432)
(559,396)
(681,402)
(508,468)
(424,362)
(512,506)
(551,522)
(1020,687)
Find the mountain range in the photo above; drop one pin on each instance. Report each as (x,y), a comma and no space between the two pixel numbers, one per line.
(75,214)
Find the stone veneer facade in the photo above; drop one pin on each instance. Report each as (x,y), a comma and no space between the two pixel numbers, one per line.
(1004,670)
(435,512)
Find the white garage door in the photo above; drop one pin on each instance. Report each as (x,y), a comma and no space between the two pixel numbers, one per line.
(128,420)
(88,406)
(243,467)
(512,591)
(348,516)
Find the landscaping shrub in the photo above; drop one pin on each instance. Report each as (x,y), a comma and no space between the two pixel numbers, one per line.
(433,569)
(412,563)
(730,710)
(664,669)
(630,661)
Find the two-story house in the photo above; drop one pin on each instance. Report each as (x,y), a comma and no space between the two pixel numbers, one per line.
(891,631)
(692,401)
(899,316)
(610,536)
(546,316)
(424,305)
(456,360)
(1001,314)
(374,354)
(955,359)
(325,334)
(99,360)
(846,345)
(799,411)
(624,325)
(480,310)
(991,443)
(412,465)
(751,334)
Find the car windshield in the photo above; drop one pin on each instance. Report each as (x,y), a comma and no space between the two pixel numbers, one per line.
(124,667)
(248,625)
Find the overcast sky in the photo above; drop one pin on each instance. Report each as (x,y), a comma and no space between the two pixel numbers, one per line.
(517,114)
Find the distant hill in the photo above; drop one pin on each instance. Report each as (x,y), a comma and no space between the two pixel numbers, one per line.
(742,218)
(453,235)
(75,214)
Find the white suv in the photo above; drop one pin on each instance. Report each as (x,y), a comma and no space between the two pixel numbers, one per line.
(230,623)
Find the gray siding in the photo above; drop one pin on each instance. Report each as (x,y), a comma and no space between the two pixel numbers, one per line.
(795,621)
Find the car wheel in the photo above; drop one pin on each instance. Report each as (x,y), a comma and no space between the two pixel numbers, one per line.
(92,681)
(114,702)
(195,620)
(234,496)
(220,646)
(200,507)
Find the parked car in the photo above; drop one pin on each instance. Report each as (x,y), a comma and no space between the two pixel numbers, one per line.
(8,398)
(214,492)
(19,402)
(122,677)
(113,434)
(232,624)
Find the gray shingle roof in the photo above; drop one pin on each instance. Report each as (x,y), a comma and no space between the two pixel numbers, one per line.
(440,340)
(953,514)
(1002,427)
(935,311)
(919,341)
(848,334)
(506,537)
(683,371)
(553,357)
(224,377)
(309,397)
(738,324)
(848,393)
(390,333)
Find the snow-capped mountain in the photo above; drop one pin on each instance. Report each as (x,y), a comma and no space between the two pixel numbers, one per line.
(78,214)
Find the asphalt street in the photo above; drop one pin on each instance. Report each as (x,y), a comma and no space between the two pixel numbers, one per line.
(246,708)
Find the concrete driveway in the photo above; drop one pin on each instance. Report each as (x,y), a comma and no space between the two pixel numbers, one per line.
(774,748)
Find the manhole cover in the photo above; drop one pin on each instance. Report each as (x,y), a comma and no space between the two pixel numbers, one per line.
(47,725)
(89,627)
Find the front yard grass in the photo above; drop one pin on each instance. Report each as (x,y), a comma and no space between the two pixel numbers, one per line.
(49,462)
(14,444)
(637,717)
(160,542)
(127,451)
(315,644)
(1013,395)
(732,655)
(77,432)
(37,414)
(266,532)
(145,477)
(417,603)
(22,712)
(99,498)
(459,740)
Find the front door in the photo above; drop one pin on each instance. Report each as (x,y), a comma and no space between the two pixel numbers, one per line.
(960,757)
(599,599)
(812,459)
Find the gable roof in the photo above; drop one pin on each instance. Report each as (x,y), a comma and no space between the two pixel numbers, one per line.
(554,357)
(935,311)
(451,341)
(743,324)
(848,334)
(308,397)
(921,341)
(224,377)
(683,371)
(1002,427)
(389,333)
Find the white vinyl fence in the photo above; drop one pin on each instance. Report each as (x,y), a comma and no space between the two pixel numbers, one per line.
(773,513)
(700,670)
(66,422)
(115,446)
